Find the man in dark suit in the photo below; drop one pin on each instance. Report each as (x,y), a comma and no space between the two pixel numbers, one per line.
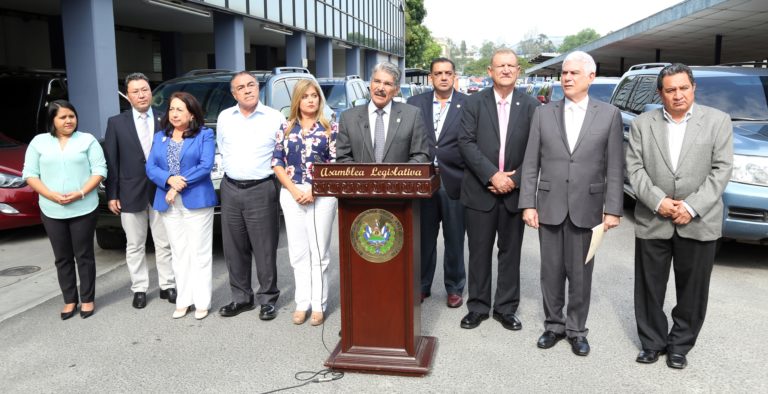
(572,181)
(130,194)
(441,111)
(679,161)
(382,131)
(495,128)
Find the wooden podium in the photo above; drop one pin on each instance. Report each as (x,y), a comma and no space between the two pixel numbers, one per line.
(379,264)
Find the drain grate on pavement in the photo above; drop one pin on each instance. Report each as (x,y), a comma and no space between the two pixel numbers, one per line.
(20,270)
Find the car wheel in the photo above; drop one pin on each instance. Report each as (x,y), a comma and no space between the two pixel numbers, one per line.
(110,239)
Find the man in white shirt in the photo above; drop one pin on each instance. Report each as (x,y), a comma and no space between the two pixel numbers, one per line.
(130,193)
(679,161)
(572,181)
(246,138)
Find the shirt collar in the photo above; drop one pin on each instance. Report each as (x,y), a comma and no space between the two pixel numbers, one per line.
(582,105)
(258,110)
(498,96)
(435,100)
(372,108)
(136,113)
(669,119)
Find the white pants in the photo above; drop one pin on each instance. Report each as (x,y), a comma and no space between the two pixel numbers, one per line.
(191,234)
(135,226)
(309,251)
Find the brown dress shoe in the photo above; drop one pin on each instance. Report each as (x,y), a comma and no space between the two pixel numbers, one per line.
(316,319)
(299,317)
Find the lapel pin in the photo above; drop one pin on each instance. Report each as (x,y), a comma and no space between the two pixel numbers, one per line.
(398,120)
(517,103)
(458,105)
(164,139)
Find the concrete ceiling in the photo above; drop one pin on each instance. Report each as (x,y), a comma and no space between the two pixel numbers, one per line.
(684,33)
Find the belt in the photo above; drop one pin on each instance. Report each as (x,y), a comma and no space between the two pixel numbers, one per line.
(249,183)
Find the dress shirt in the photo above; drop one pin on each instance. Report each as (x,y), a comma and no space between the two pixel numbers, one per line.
(675,136)
(65,171)
(372,118)
(439,114)
(574,119)
(509,102)
(246,144)
(150,120)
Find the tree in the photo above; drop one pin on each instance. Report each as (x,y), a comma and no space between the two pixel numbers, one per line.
(534,44)
(420,47)
(583,37)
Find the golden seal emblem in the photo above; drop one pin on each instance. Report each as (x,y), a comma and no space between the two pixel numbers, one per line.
(376,235)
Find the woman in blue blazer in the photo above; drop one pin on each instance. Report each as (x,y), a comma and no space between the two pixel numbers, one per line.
(180,164)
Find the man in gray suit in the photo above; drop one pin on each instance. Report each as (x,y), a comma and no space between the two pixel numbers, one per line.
(383,131)
(572,181)
(679,161)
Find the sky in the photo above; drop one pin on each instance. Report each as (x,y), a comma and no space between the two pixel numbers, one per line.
(508,21)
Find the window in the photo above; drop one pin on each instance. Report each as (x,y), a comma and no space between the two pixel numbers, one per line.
(623,91)
(643,94)
(281,97)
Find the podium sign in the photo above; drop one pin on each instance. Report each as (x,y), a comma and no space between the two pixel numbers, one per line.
(380,271)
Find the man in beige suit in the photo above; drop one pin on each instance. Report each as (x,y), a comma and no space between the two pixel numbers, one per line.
(572,181)
(679,161)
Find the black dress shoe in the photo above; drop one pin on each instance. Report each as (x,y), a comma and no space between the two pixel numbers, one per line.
(649,356)
(508,320)
(267,312)
(473,319)
(139,299)
(235,308)
(676,360)
(86,314)
(549,339)
(169,294)
(67,315)
(579,346)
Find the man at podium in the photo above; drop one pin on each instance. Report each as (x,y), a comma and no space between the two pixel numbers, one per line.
(383,131)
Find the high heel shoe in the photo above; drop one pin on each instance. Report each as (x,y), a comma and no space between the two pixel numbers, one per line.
(180,312)
(316,319)
(87,314)
(200,314)
(67,315)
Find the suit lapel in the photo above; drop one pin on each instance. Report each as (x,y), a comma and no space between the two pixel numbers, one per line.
(559,110)
(692,131)
(490,106)
(659,133)
(394,126)
(586,124)
(366,130)
(188,142)
(133,134)
(453,114)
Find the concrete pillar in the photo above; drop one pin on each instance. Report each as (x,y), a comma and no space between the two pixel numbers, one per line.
(89,41)
(353,61)
(371,58)
(296,49)
(229,36)
(323,57)
(170,54)
(718,48)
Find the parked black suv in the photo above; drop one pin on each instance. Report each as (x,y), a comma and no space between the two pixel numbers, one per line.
(212,90)
(344,93)
(739,91)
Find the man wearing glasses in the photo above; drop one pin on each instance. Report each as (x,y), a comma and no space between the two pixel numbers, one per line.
(495,126)
(441,111)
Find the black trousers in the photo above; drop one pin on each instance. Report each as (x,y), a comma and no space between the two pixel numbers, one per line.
(72,243)
(441,208)
(482,230)
(693,262)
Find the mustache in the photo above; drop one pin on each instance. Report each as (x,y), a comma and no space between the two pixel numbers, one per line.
(380,93)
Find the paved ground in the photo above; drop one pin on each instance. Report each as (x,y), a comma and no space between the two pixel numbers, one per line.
(121,349)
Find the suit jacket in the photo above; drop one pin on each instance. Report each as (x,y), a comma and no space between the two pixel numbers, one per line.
(196,164)
(447,146)
(406,137)
(479,146)
(583,184)
(703,171)
(127,180)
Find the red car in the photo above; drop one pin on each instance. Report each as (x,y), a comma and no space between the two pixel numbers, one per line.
(18,202)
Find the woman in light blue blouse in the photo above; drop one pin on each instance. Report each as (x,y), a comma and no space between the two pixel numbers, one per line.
(306,139)
(64,166)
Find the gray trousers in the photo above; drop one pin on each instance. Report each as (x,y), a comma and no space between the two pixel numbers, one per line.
(564,248)
(250,230)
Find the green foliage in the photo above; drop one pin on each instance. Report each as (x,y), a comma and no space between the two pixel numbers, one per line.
(420,47)
(573,41)
(535,44)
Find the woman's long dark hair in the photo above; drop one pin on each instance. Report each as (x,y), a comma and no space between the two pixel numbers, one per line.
(53,110)
(193,106)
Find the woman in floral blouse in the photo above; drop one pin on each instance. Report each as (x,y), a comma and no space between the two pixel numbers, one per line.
(306,139)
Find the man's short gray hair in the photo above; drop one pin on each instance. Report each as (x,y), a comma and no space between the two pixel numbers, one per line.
(135,77)
(390,69)
(584,58)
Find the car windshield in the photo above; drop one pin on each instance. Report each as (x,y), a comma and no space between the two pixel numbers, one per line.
(21,107)
(741,96)
(558,94)
(600,92)
(336,95)
(214,96)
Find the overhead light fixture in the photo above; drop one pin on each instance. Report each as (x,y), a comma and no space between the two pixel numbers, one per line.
(277,29)
(343,45)
(178,6)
